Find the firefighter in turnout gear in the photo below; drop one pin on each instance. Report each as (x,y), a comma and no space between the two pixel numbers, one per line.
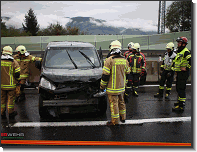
(10,75)
(182,65)
(130,45)
(136,63)
(115,71)
(167,71)
(24,59)
(143,74)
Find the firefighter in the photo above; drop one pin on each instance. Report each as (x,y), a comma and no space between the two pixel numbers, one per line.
(167,71)
(182,65)
(130,49)
(10,74)
(115,71)
(143,73)
(24,59)
(136,62)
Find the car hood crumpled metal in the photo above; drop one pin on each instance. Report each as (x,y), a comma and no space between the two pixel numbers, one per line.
(63,75)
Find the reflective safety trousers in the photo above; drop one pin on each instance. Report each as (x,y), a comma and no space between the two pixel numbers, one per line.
(7,96)
(117,107)
(24,64)
(8,70)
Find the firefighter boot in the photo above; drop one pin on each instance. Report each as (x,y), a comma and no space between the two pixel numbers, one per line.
(12,115)
(180,107)
(167,96)
(135,91)
(160,94)
(176,103)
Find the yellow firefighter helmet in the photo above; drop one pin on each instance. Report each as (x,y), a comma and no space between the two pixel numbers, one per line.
(136,47)
(115,44)
(170,46)
(7,50)
(21,49)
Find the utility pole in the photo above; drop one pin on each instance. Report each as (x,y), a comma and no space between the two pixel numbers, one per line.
(161,17)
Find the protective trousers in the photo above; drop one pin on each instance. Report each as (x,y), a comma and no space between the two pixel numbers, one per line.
(7,97)
(168,82)
(134,80)
(20,88)
(117,107)
(181,81)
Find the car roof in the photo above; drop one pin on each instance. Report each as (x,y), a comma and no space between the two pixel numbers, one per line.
(69,44)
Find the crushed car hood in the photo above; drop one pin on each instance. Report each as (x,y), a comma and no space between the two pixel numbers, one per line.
(63,75)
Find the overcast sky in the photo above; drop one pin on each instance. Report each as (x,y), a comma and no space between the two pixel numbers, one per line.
(129,14)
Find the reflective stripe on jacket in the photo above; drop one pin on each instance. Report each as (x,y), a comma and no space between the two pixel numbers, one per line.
(168,61)
(136,62)
(181,61)
(116,67)
(24,64)
(8,70)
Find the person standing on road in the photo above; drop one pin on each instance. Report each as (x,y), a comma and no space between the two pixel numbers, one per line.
(143,73)
(182,65)
(115,73)
(136,62)
(24,59)
(130,45)
(10,74)
(167,71)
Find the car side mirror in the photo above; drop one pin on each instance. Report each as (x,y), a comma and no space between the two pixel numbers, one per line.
(38,65)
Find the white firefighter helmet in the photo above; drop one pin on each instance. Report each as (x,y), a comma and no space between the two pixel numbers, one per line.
(7,50)
(136,47)
(21,49)
(130,45)
(170,46)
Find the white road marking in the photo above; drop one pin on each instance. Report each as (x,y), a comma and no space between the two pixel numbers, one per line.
(157,85)
(99,123)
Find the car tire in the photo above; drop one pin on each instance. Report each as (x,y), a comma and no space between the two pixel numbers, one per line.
(102,105)
(43,111)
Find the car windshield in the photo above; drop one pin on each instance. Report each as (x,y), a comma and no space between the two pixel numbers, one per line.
(71,58)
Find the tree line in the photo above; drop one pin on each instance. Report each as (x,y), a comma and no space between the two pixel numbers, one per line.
(178,18)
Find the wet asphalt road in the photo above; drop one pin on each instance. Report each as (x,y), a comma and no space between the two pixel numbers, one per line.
(143,107)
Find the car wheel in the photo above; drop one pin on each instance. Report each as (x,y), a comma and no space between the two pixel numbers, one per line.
(102,105)
(43,111)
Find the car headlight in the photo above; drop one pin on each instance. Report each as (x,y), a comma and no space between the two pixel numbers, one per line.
(46,84)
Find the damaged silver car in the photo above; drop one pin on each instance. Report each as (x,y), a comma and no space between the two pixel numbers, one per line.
(70,79)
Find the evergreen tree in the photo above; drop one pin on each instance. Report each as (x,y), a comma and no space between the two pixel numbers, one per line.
(31,24)
(178,16)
